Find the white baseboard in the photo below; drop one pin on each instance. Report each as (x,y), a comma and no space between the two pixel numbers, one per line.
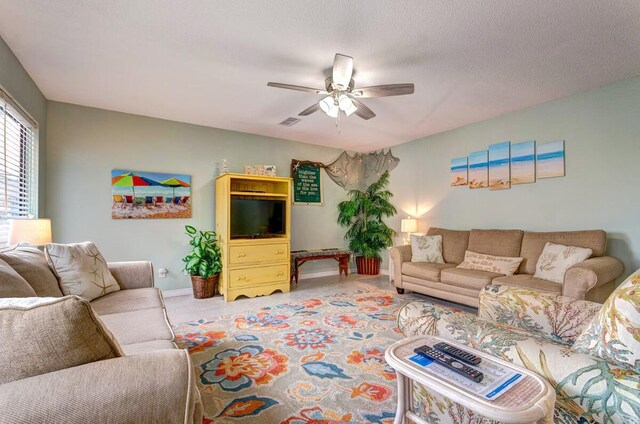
(305,276)
(177,292)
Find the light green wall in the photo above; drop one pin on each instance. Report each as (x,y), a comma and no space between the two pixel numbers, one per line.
(601,189)
(85,144)
(19,84)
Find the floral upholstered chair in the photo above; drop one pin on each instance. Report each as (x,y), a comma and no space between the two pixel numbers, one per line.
(596,380)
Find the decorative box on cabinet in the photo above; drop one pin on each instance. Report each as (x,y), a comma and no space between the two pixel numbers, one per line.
(252,266)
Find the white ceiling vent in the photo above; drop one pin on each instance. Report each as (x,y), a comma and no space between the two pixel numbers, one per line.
(289,122)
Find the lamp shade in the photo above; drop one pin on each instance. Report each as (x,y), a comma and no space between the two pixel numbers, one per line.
(36,232)
(409,225)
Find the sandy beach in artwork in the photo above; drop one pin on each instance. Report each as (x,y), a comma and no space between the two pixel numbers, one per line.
(143,212)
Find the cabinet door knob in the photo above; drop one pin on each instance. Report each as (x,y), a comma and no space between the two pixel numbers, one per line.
(241,278)
(241,255)
(279,252)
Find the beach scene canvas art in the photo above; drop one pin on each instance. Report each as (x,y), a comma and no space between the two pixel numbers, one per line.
(478,170)
(523,162)
(550,159)
(499,170)
(459,172)
(150,195)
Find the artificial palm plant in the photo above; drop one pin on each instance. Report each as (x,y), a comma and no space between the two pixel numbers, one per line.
(203,262)
(367,233)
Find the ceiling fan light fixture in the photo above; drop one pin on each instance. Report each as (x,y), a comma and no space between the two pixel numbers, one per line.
(344,102)
(326,104)
(333,111)
(350,109)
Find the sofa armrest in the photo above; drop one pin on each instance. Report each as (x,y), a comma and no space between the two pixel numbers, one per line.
(147,388)
(132,275)
(551,316)
(398,255)
(592,273)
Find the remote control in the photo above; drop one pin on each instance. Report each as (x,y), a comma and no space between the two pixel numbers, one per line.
(450,363)
(459,354)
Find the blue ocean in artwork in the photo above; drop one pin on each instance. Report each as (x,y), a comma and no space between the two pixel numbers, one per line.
(550,159)
(499,172)
(523,162)
(459,171)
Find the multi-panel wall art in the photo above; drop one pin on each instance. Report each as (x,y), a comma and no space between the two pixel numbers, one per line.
(506,164)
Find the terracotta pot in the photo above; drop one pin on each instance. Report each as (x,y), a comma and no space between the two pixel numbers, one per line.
(204,288)
(368,266)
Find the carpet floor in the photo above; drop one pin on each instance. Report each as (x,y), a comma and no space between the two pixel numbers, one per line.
(319,360)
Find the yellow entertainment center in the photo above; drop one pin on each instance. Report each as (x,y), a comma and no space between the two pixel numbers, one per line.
(252,264)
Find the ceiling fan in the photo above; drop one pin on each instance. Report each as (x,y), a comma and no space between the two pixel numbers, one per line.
(341,95)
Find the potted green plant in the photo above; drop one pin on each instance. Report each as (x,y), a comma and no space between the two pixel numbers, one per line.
(203,262)
(367,233)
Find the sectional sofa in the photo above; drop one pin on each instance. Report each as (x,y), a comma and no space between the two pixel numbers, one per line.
(147,379)
(592,279)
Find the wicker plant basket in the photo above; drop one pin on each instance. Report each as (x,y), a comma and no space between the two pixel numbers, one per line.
(204,288)
(368,266)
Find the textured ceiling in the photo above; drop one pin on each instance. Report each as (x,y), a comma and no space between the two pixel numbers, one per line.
(208,62)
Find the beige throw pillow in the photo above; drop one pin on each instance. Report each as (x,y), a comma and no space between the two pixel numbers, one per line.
(81,270)
(12,284)
(41,335)
(556,259)
(614,333)
(32,265)
(426,249)
(499,264)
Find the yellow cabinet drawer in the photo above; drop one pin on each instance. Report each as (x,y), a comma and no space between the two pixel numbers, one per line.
(276,252)
(260,275)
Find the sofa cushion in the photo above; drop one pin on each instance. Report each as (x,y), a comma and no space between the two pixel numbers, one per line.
(426,249)
(32,265)
(128,300)
(145,347)
(496,242)
(139,326)
(81,269)
(12,284)
(424,270)
(529,282)
(42,335)
(501,264)
(454,243)
(533,244)
(556,259)
(468,278)
(614,333)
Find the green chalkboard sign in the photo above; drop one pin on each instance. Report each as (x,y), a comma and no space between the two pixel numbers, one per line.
(307,182)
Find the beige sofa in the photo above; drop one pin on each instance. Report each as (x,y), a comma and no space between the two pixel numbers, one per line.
(153,382)
(592,279)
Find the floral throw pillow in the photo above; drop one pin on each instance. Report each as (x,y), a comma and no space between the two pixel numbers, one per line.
(81,270)
(499,264)
(556,259)
(614,334)
(426,249)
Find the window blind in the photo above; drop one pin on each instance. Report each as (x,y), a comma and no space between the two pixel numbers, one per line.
(18,164)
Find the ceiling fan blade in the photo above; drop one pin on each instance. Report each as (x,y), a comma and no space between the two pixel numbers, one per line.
(308,111)
(383,90)
(342,70)
(363,111)
(296,87)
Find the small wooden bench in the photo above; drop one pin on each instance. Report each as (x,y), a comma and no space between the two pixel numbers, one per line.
(298,257)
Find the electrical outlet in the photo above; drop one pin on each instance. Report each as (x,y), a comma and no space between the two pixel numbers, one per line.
(162,272)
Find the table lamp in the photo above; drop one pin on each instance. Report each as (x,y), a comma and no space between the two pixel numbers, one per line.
(408,225)
(36,232)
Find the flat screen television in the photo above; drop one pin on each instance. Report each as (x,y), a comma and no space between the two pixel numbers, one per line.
(257,218)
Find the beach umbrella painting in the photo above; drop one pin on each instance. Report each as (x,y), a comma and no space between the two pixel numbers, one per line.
(132,180)
(174,182)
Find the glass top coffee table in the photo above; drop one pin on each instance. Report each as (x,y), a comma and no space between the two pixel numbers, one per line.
(508,393)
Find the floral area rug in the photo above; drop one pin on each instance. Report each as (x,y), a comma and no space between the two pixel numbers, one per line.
(320,360)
